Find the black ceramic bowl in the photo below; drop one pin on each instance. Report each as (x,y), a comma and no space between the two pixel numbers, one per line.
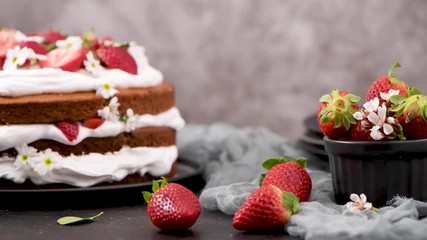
(380,170)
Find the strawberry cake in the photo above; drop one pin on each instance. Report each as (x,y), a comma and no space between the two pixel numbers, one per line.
(81,111)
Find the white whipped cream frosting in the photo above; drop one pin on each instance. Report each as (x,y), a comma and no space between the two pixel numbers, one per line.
(14,83)
(90,169)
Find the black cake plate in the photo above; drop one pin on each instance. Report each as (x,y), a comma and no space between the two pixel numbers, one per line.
(188,174)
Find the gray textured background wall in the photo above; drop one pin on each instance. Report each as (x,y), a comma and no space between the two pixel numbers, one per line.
(251,63)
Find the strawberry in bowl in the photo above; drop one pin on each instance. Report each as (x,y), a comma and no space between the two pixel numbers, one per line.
(383,151)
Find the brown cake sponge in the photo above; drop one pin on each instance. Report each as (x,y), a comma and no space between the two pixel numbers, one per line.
(147,137)
(50,108)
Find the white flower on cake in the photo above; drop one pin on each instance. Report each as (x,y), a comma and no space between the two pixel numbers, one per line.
(73,42)
(105,90)
(130,120)
(92,64)
(110,112)
(26,154)
(18,56)
(358,203)
(46,161)
(21,37)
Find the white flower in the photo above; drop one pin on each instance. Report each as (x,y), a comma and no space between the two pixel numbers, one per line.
(358,115)
(92,64)
(21,37)
(379,121)
(358,203)
(73,42)
(372,105)
(110,112)
(391,92)
(376,134)
(130,121)
(25,156)
(17,57)
(46,162)
(105,90)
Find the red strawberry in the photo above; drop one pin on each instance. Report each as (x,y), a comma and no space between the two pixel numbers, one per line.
(117,57)
(50,36)
(69,128)
(289,175)
(37,48)
(2,59)
(93,123)
(266,208)
(335,114)
(67,59)
(386,83)
(7,40)
(359,133)
(412,115)
(90,41)
(172,206)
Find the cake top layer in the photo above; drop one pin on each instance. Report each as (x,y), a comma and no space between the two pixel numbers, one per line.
(49,62)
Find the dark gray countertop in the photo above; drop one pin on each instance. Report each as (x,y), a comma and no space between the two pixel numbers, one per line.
(123,222)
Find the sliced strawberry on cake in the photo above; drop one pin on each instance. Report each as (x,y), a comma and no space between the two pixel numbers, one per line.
(7,41)
(67,59)
(117,57)
(70,129)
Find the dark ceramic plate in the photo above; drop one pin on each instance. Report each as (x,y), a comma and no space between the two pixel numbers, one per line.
(312,139)
(311,124)
(188,174)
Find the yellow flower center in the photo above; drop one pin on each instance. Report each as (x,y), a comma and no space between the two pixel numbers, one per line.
(24,157)
(48,162)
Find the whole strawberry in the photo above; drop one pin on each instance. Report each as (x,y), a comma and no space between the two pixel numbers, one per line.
(385,84)
(117,57)
(266,208)
(358,132)
(289,175)
(171,206)
(335,113)
(412,115)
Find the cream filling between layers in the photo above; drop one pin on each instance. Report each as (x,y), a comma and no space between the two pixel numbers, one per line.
(18,134)
(88,170)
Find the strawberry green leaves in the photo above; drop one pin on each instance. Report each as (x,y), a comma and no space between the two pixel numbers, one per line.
(291,202)
(73,220)
(339,108)
(157,184)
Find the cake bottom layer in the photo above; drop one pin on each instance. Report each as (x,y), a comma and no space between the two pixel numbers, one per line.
(135,178)
(91,169)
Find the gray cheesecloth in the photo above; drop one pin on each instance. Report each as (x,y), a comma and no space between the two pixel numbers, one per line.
(233,157)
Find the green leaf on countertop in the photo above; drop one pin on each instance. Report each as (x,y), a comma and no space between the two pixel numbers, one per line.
(73,220)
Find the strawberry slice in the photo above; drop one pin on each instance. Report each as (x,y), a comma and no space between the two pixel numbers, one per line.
(69,128)
(93,123)
(7,40)
(66,59)
(37,48)
(50,36)
(2,59)
(117,57)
